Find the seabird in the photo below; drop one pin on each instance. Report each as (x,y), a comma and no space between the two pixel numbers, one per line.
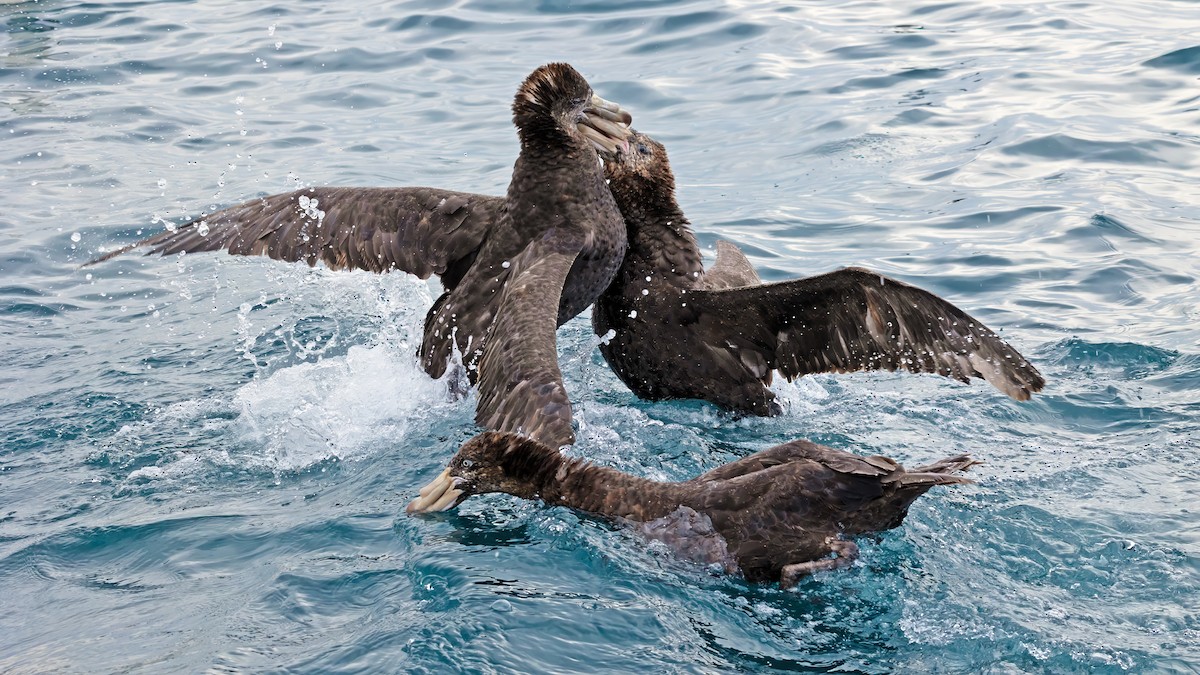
(681,331)
(513,268)
(773,516)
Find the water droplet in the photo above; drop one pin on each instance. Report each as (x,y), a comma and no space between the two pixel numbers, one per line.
(202,228)
(645,292)
(502,606)
(633,314)
(162,182)
(505,264)
(75,236)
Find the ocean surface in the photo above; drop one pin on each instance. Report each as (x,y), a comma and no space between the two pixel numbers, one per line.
(204,460)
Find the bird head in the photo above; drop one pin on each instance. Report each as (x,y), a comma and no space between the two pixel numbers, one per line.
(490,462)
(556,98)
(640,170)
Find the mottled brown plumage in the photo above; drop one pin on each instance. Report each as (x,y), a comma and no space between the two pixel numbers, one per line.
(773,516)
(718,335)
(513,268)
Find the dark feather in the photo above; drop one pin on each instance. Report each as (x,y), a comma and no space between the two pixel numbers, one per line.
(779,507)
(412,230)
(521,389)
(856,320)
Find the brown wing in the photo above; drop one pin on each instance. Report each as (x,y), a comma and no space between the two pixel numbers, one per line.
(731,269)
(520,385)
(855,320)
(417,230)
(799,450)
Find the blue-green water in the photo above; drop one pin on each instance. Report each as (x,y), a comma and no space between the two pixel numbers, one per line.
(204,460)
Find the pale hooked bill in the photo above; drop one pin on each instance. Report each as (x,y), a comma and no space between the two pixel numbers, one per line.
(441,494)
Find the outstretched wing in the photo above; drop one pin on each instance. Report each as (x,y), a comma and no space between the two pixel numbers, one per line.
(520,386)
(417,230)
(855,320)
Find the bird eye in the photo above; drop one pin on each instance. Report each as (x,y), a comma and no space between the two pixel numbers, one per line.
(468,463)
(643,148)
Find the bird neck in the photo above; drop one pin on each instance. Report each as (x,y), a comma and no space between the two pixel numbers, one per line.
(557,158)
(580,485)
(543,136)
(661,245)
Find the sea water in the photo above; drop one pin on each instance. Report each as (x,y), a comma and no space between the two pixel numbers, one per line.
(204,459)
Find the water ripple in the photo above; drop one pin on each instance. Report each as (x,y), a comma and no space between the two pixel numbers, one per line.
(1186,60)
(206,459)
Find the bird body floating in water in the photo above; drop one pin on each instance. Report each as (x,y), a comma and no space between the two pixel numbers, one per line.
(543,253)
(776,515)
(680,331)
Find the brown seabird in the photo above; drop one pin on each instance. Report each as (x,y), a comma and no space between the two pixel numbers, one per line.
(773,516)
(680,331)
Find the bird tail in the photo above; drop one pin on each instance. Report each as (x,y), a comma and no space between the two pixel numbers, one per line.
(941,472)
(891,507)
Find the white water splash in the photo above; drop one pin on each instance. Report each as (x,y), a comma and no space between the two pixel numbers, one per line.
(334,405)
(337,408)
(343,408)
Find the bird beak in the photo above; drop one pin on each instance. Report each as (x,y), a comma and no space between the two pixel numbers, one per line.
(441,494)
(606,125)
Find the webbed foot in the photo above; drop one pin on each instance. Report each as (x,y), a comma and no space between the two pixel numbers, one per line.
(847,552)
